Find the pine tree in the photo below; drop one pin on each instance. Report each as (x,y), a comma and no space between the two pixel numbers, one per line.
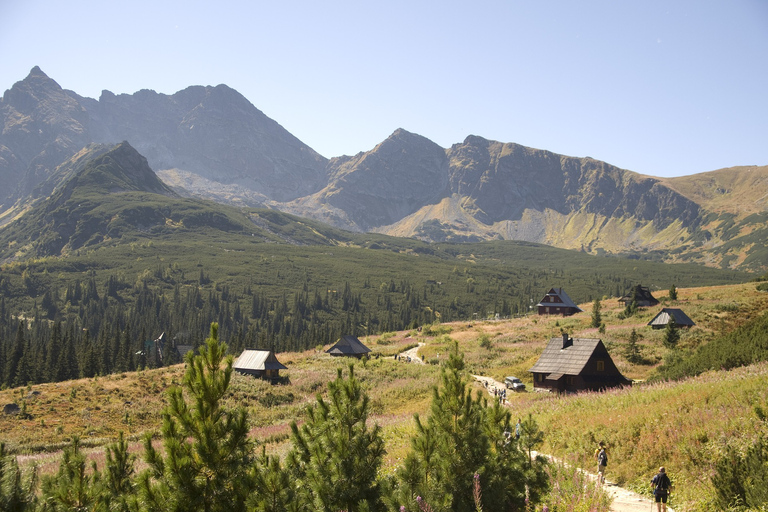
(671,333)
(463,437)
(597,318)
(207,450)
(116,487)
(274,487)
(633,350)
(335,455)
(672,293)
(17,488)
(72,487)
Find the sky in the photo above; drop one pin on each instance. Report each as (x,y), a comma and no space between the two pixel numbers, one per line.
(663,88)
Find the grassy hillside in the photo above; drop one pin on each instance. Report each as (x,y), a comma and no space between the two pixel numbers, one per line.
(685,425)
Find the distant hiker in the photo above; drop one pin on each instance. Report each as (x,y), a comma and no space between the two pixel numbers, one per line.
(518,427)
(662,488)
(601,454)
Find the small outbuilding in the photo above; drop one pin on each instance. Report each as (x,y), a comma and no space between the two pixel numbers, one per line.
(570,365)
(348,346)
(661,320)
(259,363)
(557,302)
(641,296)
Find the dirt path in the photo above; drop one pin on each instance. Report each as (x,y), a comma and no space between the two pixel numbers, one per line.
(411,355)
(624,500)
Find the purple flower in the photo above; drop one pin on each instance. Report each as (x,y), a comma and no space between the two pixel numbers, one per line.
(418,499)
(402,508)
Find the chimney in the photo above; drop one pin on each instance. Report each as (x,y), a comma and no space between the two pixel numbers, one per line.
(567,342)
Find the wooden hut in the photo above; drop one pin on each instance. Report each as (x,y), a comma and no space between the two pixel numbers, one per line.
(641,296)
(661,320)
(557,302)
(569,365)
(259,363)
(348,346)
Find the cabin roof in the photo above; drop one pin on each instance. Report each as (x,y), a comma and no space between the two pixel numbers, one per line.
(666,313)
(566,301)
(566,361)
(258,360)
(348,346)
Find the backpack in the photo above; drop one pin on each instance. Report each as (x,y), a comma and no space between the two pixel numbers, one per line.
(662,484)
(602,458)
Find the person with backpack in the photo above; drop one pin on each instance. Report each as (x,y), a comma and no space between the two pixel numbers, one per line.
(601,454)
(662,488)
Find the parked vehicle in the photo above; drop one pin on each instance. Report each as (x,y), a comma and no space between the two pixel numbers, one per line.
(514,384)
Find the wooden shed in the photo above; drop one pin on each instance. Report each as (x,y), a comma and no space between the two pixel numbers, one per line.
(641,296)
(557,302)
(569,365)
(661,320)
(259,363)
(348,346)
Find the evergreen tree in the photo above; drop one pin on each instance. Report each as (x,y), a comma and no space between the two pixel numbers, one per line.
(335,455)
(72,487)
(671,333)
(672,293)
(12,364)
(116,487)
(274,487)
(597,318)
(633,350)
(207,450)
(463,437)
(17,489)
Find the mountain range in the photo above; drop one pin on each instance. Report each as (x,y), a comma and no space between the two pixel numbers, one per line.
(212,143)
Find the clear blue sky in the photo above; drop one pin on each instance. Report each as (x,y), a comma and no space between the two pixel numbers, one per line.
(665,88)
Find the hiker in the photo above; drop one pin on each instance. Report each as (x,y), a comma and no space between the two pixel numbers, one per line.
(601,454)
(662,488)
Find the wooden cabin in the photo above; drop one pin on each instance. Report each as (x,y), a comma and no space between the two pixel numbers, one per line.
(348,346)
(570,365)
(661,320)
(641,296)
(557,302)
(259,363)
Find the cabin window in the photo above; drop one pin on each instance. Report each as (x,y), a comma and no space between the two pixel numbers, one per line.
(601,366)
(571,380)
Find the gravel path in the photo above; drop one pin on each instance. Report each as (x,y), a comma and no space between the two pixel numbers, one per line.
(624,500)
(413,354)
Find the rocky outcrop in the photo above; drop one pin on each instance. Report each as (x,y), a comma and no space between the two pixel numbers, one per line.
(210,132)
(42,127)
(381,186)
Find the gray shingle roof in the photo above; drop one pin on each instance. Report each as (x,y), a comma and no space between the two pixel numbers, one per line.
(564,298)
(348,346)
(664,315)
(258,360)
(567,361)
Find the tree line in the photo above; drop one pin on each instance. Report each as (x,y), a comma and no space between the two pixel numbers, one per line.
(88,327)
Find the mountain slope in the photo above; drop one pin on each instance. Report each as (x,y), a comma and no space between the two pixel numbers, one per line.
(211,132)
(115,193)
(42,127)
(210,142)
